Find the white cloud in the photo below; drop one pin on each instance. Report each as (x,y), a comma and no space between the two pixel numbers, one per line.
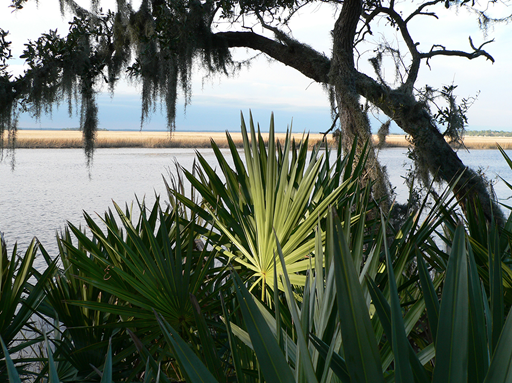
(267,84)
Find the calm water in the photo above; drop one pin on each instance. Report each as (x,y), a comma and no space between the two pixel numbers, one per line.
(52,186)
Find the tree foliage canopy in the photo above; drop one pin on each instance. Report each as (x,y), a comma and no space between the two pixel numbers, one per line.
(159,42)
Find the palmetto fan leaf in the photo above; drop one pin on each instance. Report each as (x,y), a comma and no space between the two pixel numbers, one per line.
(281,187)
(153,263)
(19,297)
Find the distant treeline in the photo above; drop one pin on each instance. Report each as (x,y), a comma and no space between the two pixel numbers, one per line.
(489,133)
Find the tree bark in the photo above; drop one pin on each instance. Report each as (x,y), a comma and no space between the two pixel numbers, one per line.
(298,56)
(399,104)
(433,152)
(339,72)
(354,121)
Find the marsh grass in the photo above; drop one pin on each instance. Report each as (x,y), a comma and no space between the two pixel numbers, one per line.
(481,142)
(33,139)
(470,142)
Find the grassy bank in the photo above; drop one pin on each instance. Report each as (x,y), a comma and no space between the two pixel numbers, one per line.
(470,142)
(110,139)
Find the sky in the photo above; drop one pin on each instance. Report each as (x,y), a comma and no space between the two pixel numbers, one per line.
(268,87)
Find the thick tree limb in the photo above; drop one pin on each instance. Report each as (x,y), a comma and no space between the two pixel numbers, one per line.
(354,122)
(432,149)
(299,56)
(401,106)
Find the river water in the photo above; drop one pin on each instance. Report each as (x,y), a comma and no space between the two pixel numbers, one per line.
(52,186)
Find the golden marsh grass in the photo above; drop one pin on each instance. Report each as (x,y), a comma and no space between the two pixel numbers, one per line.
(470,142)
(144,139)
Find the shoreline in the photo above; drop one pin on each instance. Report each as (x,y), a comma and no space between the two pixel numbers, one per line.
(65,139)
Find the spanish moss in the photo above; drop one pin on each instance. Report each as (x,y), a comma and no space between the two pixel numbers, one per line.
(155,45)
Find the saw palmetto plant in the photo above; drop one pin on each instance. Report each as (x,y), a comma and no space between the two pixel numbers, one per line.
(284,271)
(275,190)
(337,336)
(21,293)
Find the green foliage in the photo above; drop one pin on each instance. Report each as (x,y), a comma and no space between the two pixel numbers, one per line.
(19,298)
(171,295)
(81,336)
(457,318)
(279,189)
(12,373)
(135,268)
(165,37)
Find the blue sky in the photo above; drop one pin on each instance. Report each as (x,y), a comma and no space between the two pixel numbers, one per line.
(123,113)
(271,87)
